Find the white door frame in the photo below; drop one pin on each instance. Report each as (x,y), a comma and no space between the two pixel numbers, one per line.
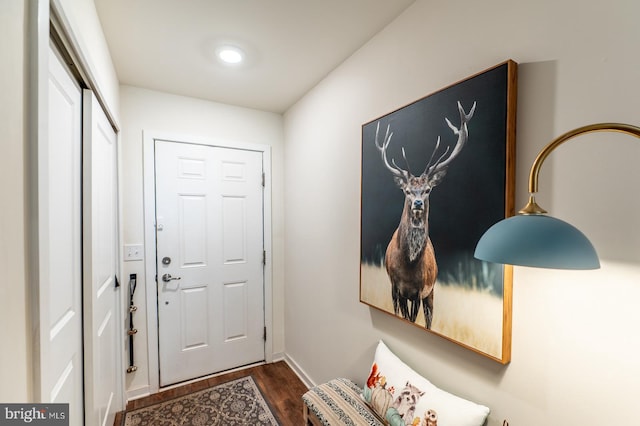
(148,143)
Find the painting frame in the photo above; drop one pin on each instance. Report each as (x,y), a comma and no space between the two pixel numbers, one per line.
(470,302)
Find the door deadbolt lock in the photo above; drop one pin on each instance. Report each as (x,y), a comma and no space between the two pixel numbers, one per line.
(166,260)
(167,277)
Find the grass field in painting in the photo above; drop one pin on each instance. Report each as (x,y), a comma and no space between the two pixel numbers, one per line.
(471,317)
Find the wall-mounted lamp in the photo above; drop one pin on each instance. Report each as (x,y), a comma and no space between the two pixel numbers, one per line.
(532,238)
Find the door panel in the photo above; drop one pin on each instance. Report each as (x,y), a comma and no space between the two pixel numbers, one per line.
(235,311)
(209,222)
(101,309)
(195,333)
(193,217)
(233,227)
(61,261)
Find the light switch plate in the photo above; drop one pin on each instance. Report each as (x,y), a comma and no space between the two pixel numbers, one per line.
(133,252)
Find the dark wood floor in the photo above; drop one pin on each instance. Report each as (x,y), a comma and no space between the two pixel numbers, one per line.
(281,387)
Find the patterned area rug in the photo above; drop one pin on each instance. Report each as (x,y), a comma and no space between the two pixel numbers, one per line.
(238,402)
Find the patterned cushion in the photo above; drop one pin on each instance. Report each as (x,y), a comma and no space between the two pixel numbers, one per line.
(404,397)
(338,402)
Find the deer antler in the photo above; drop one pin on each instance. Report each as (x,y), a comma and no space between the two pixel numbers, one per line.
(393,167)
(463,134)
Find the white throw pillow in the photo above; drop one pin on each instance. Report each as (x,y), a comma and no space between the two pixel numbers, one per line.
(403,397)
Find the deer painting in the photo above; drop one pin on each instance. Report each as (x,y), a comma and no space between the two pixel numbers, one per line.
(410,258)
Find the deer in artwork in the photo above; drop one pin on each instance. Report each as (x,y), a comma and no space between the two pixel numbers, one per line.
(410,258)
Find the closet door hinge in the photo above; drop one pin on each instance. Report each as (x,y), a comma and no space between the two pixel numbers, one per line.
(264,257)
(264,336)
(263,179)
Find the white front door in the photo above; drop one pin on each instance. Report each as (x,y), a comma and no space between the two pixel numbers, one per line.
(102,322)
(61,254)
(210,248)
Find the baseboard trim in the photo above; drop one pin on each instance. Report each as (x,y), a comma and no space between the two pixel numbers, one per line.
(279,356)
(299,371)
(137,393)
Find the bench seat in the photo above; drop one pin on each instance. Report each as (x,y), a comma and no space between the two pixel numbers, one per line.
(338,402)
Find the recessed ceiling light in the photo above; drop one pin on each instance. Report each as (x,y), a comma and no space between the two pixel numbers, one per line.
(230,55)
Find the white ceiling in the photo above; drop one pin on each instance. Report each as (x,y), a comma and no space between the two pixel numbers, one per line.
(168,45)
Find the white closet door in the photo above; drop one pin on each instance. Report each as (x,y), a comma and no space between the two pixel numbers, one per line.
(102,348)
(60,204)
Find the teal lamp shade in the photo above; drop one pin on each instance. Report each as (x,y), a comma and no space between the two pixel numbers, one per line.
(537,240)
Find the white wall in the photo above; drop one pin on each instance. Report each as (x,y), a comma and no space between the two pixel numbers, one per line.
(161,113)
(575,339)
(14,362)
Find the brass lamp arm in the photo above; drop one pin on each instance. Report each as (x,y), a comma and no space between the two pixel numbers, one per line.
(532,207)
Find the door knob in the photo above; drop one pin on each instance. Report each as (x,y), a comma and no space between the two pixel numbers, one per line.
(167,277)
